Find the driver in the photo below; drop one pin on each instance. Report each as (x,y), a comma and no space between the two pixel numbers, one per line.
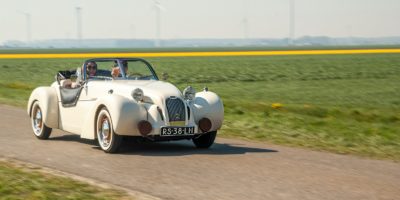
(115,72)
(91,68)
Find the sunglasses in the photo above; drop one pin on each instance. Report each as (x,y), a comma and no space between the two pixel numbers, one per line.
(91,67)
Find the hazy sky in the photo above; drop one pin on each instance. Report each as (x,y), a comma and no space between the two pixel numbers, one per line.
(55,19)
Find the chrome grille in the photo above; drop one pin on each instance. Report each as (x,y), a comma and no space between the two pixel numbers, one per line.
(176,109)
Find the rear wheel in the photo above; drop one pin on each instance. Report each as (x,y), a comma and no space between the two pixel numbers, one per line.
(205,140)
(40,129)
(108,140)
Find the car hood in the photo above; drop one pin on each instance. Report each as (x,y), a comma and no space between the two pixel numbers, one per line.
(151,88)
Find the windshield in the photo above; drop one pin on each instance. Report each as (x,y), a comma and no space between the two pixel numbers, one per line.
(138,70)
(132,69)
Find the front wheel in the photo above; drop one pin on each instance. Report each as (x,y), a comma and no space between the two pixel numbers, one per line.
(205,140)
(108,140)
(40,129)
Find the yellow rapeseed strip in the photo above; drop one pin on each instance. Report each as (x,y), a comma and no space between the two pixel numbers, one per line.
(199,54)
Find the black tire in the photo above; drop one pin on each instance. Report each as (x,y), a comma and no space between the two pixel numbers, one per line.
(40,129)
(108,140)
(206,140)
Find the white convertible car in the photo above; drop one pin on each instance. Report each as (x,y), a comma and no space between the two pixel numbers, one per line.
(111,98)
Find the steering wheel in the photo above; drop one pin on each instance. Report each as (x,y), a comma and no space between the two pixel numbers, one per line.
(135,75)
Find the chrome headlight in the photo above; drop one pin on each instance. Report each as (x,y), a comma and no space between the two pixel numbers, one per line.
(137,94)
(189,93)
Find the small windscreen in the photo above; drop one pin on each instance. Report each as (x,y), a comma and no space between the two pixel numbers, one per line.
(138,70)
(124,69)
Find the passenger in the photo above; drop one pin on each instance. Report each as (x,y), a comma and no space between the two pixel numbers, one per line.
(115,72)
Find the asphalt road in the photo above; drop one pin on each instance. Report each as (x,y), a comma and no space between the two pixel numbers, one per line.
(231,169)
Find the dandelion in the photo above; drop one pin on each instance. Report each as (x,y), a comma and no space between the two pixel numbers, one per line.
(276,105)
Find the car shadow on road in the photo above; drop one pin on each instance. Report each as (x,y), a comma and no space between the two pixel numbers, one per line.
(185,147)
(171,148)
(73,138)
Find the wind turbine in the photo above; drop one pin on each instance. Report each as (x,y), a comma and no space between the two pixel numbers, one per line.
(245,22)
(79,24)
(159,8)
(291,22)
(28,26)
(133,31)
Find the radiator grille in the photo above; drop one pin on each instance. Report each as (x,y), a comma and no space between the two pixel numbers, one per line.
(176,109)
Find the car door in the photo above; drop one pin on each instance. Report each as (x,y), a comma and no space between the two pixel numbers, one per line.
(74,117)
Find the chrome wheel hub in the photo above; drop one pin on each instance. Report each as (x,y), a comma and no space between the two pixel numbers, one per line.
(37,121)
(104,132)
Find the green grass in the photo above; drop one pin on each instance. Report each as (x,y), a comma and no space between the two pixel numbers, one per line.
(17,182)
(346,104)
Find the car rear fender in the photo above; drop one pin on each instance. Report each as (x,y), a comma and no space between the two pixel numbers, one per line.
(48,102)
(208,104)
(125,114)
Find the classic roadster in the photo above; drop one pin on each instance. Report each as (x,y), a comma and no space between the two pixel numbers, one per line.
(109,98)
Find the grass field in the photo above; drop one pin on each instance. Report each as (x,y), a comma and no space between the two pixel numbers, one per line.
(346,104)
(17,182)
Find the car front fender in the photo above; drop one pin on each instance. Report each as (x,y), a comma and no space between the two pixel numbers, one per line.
(125,114)
(208,104)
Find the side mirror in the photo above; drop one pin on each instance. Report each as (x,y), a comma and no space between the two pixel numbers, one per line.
(164,76)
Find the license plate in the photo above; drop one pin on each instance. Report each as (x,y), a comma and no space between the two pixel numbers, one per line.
(174,131)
